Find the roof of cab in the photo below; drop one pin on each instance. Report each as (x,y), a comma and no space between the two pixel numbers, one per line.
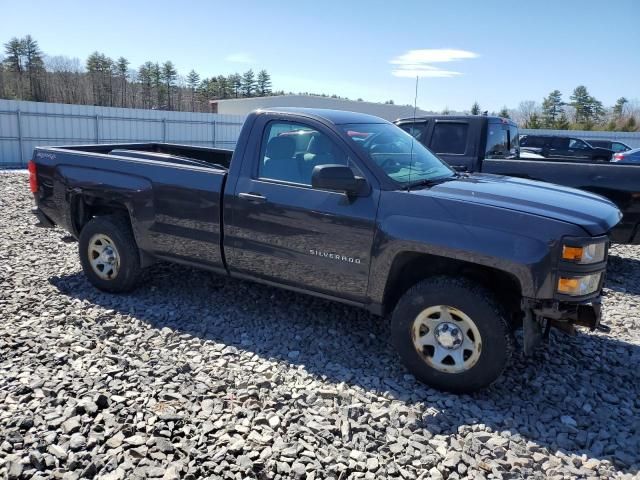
(337,117)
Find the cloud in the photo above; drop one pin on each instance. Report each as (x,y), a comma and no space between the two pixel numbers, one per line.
(419,62)
(240,58)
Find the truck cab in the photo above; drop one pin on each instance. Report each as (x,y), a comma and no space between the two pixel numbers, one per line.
(464,141)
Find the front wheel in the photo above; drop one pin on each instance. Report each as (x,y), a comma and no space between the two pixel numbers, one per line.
(452,334)
(109,254)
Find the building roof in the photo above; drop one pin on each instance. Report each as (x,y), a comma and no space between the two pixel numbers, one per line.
(243,106)
(337,117)
(302,96)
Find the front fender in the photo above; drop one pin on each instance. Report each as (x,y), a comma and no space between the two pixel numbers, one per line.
(521,256)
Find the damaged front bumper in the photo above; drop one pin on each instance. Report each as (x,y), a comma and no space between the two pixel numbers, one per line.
(540,316)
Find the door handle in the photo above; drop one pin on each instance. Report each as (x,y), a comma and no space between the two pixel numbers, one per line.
(253,197)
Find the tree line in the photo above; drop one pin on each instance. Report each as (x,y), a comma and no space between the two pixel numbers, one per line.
(581,112)
(26,73)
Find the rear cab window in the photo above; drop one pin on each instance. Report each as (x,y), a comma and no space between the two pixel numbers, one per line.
(503,140)
(532,141)
(450,138)
(416,130)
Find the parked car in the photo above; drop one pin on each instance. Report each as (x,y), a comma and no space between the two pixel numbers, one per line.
(630,156)
(565,147)
(612,145)
(477,143)
(347,207)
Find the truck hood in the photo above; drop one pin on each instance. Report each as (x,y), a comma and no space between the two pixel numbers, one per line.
(593,213)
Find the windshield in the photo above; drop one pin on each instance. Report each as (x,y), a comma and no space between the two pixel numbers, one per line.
(400,156)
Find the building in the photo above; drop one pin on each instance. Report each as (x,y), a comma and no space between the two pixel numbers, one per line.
(242,106)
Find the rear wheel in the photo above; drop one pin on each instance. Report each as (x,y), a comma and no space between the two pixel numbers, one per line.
(452,334)
(109,254)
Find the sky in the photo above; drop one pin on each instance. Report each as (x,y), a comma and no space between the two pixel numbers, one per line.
(495,52)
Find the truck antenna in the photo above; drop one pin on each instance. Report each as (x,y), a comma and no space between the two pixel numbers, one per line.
(413,139)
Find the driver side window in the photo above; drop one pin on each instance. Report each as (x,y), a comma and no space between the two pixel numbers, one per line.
(577,144)
(290,151)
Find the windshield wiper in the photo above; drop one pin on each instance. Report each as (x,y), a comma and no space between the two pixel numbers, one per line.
(428,182)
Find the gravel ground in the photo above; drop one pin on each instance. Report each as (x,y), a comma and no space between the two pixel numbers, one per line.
(195,376)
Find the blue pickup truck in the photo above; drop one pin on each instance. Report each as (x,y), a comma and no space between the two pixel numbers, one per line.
(351,208)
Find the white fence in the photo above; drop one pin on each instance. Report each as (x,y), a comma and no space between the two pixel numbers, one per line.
(630,138)
(25,125)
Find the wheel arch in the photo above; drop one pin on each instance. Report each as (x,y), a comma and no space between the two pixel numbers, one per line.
(83,207)
(410,267)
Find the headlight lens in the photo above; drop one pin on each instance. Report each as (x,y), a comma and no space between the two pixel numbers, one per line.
(586,254)
(579,286)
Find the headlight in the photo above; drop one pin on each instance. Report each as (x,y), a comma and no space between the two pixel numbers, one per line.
(579,286)
(586,254)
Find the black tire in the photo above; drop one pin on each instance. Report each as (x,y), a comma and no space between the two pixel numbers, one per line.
(496,342)
(118,229)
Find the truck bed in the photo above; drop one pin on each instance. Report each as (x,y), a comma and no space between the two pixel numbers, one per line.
(174,193)
(161,152)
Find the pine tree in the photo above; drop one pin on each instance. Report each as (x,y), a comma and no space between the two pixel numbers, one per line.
(580,100)
(100,69)
(224,88)
(618,108)
(122,67)
(34,65)
(157,84)
(264,83)
(504,113)
(193,80)
(534,121)
(14,50)
(588,110)
(235,83)
(552,108)
(144,77)
(475,108)
(169,75)
(248,83)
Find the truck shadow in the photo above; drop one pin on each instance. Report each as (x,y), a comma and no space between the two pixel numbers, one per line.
(591,378)
(623,274)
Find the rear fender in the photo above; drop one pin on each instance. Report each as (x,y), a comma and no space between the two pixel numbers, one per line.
(133,192)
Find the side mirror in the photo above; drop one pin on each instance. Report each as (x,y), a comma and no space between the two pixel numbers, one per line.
(336,177)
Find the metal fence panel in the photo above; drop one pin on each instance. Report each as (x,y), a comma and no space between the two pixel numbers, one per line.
(25,125)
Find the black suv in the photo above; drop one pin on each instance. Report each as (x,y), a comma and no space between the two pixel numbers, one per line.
(610,145)
(550,146)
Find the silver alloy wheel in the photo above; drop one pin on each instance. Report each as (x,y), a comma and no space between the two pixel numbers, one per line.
(446,339)
(104,257)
